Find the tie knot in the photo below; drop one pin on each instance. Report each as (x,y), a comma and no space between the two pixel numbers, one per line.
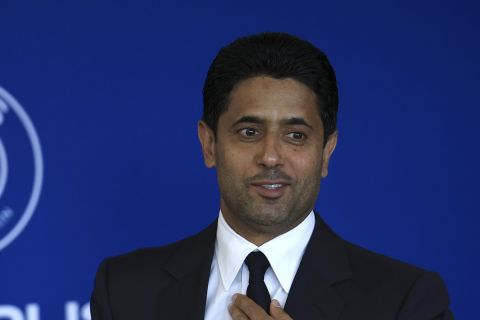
(257,265)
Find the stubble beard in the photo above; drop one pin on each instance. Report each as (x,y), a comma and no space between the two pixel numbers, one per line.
(267,216)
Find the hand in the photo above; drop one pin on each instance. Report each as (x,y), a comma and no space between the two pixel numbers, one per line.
(243,308)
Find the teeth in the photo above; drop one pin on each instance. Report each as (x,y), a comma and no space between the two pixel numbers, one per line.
(272,186)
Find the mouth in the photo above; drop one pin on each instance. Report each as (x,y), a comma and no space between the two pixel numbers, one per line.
(273,186)
(270,189)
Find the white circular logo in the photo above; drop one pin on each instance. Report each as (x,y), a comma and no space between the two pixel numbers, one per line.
(21,168)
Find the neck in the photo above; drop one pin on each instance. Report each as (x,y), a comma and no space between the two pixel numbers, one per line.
(258,234)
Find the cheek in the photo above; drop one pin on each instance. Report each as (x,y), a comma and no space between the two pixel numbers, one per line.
(231,160)
(306,165)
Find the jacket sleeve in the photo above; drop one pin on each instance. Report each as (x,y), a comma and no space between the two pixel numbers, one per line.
(427,300)
(100,300)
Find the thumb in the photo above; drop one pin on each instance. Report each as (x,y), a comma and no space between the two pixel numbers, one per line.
(277,312)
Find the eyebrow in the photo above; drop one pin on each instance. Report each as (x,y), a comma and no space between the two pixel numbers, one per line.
(297,121)
(288,121)
(249,119)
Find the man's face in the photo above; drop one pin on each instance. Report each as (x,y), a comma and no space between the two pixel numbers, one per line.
(269,155)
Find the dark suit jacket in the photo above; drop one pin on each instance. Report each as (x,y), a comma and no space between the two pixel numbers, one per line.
(335,280)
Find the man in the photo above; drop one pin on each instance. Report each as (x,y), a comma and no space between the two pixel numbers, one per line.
(269,129)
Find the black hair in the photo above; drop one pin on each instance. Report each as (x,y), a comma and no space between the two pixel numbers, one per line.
(273,54)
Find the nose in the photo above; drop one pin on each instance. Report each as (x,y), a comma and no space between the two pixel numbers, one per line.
(269,154)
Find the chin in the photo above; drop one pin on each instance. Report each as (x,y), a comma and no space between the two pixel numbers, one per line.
(269,217)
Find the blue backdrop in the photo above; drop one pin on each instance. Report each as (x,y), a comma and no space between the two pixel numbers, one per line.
(112,91)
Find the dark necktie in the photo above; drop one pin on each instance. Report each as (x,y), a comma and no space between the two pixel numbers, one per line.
(257,264)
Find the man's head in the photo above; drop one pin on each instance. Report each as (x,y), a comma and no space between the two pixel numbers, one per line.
(269,129)
(277,55)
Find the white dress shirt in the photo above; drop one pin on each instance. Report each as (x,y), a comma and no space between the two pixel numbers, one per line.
(229,274)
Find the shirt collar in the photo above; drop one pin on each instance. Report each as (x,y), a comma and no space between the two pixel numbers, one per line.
(283,252)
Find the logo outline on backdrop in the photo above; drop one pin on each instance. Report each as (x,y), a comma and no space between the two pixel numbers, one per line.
(8,104)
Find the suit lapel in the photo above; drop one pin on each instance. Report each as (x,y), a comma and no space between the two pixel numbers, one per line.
(312,296)
(189,267)
(324,263)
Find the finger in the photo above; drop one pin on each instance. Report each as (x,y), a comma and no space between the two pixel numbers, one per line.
(236,313)
(277,312)
(249,307)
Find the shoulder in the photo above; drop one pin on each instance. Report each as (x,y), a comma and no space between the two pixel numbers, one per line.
(374,285)
(378,268)
(366,268)
(127,286)
(149,266)
(138,263)
(415,293)
(145,259)
(370,269)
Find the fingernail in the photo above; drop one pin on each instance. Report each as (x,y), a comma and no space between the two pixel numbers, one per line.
(276,303)
(234,297)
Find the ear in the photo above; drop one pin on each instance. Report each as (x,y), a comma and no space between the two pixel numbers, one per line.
(327,152)
(207,140)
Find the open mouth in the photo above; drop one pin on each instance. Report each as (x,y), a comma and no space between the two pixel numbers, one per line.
(270,189)
(274,186)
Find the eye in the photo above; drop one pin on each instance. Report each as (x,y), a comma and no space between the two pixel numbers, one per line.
(248,132)
(297,136)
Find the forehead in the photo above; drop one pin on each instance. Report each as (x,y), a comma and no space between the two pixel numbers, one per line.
(272,99)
